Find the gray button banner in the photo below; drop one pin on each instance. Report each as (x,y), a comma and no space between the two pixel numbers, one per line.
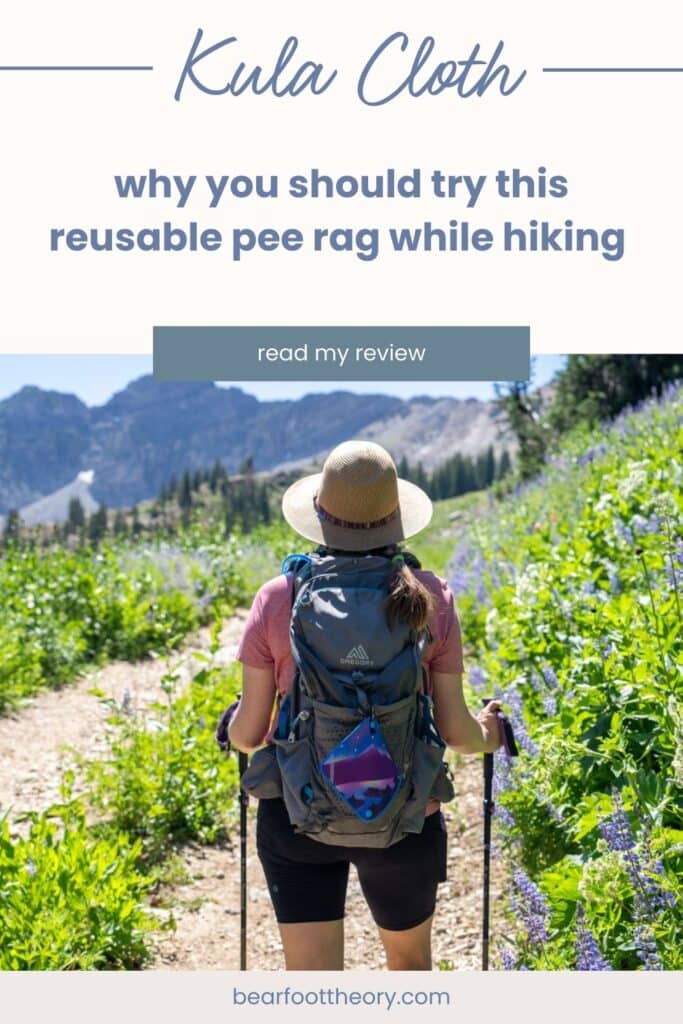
(342,353)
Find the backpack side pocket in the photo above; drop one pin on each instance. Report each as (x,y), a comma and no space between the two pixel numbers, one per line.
(429,775)
(262,777)
(294,758)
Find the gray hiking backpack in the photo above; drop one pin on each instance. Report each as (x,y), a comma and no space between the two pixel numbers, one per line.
(356,754)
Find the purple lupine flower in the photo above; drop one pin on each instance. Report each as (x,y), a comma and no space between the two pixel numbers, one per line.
(550,677)
(126,702)
(638,525)
(588,955)
(504,816)
(668,899)
(502,771)
(586,458)
(494,577)
(616,830)
(613,577)
(514,698)
(623,531)
(508,960)
(531,907)
(646,948)
(510,568)
(641,525)
(535,682)
(550,706)
(654,523)
(459,583)
(477,679)
(652,899)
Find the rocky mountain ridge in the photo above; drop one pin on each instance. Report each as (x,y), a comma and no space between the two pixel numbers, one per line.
(152,430)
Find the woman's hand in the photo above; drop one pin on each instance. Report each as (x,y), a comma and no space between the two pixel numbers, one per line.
(459,728)
(488,719)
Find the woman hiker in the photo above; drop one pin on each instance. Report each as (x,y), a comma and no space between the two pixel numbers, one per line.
(357,504)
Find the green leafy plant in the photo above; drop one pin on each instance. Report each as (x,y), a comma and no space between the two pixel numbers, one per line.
(69,900)
(165,780)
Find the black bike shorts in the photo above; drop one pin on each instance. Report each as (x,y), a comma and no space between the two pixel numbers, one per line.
(307,880)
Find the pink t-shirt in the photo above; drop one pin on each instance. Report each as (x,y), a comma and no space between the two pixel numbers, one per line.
(265,641)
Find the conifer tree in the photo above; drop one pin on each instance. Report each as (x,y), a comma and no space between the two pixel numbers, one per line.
(185,492)
(76,517)
(97,525)
(12,530)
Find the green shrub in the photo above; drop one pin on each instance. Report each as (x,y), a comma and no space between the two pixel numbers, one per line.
(165,780)
(64,610)
(69,900)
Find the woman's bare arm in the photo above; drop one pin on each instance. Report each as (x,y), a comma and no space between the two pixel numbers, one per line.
(458,727)
(250,722)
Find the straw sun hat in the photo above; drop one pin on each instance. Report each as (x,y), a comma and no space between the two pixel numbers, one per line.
(358,502)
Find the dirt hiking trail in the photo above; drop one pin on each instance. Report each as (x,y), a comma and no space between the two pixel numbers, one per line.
(206,906)
(33,739)
(204,901)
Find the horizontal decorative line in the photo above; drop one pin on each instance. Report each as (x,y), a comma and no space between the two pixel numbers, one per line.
(76,67)
(621,71)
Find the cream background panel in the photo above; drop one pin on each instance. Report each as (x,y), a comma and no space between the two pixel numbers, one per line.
(65,135)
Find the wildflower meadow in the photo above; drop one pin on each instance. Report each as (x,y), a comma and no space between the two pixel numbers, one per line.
(569,589)
(570,592)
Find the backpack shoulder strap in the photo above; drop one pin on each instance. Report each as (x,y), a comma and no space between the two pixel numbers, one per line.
(301,566)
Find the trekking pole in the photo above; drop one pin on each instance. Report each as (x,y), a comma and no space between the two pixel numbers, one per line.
(223,740)
(488,814)
(243,761)
(511,750)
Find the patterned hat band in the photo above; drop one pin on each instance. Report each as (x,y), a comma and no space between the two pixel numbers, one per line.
(325,516)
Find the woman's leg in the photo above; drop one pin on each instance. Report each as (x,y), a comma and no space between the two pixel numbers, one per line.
(409,950)
(315,946)
(400,885)
(307,883)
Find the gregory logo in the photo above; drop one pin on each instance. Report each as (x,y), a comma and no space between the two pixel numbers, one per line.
(357,656)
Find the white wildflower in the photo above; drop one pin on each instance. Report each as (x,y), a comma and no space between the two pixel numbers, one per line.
(604,502)
(676,712)
(492,626)
(528,584)
(636,479)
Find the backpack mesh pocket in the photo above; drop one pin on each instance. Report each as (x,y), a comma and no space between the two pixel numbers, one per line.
(362,771)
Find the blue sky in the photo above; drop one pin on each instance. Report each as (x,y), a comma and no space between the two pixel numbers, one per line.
(95,378)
